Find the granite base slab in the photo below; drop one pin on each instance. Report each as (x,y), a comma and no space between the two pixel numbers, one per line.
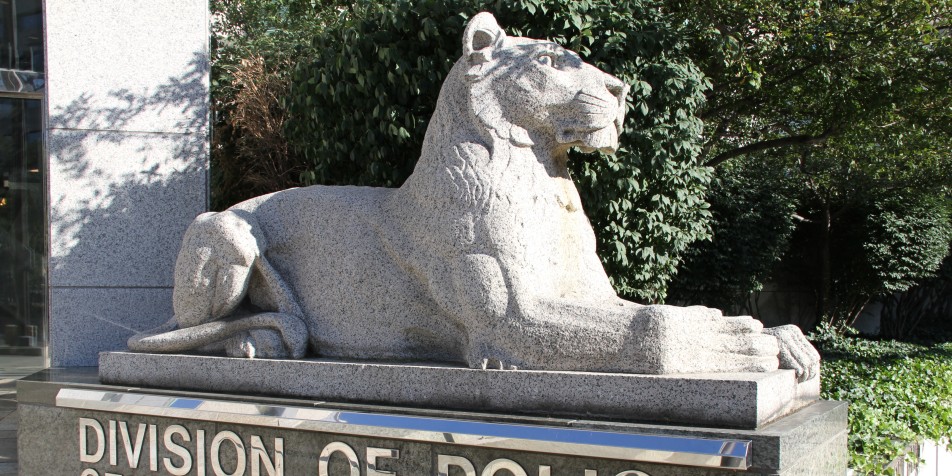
(742,400)
(88,428)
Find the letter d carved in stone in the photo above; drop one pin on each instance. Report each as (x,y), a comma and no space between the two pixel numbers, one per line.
(443,463)
(84,425)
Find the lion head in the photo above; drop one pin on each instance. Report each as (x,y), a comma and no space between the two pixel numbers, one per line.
(530,90)
(507,99)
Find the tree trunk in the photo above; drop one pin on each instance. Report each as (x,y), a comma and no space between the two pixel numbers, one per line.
(826,280)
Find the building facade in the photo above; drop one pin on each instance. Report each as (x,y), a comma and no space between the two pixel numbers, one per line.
(105,143)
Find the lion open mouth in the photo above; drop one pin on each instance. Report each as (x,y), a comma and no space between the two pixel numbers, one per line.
(596,125)
(603,140)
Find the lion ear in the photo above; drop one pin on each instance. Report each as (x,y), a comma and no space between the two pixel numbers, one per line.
(481,37)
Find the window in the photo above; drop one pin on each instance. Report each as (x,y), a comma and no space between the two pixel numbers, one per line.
(23,248)
(21,35)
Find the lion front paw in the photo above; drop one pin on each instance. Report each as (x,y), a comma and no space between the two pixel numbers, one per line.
(700,340)
(488,356)
(496,364)
(796,352)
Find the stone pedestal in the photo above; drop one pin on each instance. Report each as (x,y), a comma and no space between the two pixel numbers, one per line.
(735,400)
(72,425)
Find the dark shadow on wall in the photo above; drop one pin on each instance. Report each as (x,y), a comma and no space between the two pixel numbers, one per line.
(120,200)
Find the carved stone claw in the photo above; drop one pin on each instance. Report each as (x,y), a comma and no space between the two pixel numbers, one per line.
(496,364)
(796,352)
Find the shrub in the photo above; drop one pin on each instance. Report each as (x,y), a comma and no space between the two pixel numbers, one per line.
(254,43)
(753,206)
(885,244)
(875,242)
(251,155)
(928,304)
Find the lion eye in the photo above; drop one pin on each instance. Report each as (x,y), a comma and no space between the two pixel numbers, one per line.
(547,59)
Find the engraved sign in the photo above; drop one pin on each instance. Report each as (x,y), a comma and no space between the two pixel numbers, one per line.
(101,443)
(188,448)
(121,433)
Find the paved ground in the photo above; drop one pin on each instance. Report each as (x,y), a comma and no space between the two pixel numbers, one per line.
(12,368)
(8,427)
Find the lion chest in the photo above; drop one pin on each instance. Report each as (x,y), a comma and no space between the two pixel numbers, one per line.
(547,233)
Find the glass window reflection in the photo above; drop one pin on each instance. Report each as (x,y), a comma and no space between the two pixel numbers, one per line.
(21,35)
(23,242)
(22,233)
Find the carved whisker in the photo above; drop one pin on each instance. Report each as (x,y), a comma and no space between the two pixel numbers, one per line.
(599,99)
(590,104)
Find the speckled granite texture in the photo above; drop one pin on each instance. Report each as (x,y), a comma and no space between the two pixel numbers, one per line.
(127,106)
(746,400)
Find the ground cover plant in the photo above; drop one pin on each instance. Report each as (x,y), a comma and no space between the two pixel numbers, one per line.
(899,392)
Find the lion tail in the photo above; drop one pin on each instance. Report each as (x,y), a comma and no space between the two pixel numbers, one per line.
(169,338)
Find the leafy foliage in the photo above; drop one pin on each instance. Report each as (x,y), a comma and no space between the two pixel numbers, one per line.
(886,199)
(254,43)
(874,242)
(796,73)
(842,100)
(906,239)
(898,393)
(361,101)
(850,102)
(928,304)
(881,245)
(753,204)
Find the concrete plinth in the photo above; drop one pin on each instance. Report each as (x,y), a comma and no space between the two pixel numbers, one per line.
(76,428)
(747,400)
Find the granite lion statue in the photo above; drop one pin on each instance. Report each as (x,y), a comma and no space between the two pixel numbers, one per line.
(484,256)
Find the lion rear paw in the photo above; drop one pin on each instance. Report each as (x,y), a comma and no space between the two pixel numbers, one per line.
(257,344)
(268,335)
(492,357)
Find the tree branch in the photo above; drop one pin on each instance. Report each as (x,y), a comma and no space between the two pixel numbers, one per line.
(770,144)
(716,136)
(801,219)
(753,99)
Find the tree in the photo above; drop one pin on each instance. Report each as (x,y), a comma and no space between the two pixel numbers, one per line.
(851,102)
(875,216)
(753,203)
(788,74)
(361,101)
